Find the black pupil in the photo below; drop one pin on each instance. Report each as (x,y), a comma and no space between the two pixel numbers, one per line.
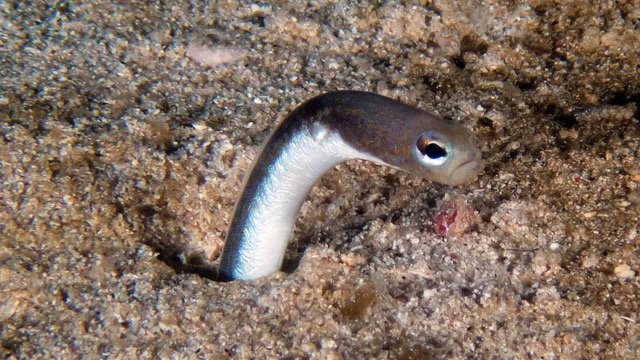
(433,151)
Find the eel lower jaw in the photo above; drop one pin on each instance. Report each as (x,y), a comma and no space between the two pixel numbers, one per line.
(466,172)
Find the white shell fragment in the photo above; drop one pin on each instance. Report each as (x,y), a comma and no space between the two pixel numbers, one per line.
(214,56)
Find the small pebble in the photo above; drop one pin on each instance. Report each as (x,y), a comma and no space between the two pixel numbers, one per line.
(214,56)
(455,218)
(623,271)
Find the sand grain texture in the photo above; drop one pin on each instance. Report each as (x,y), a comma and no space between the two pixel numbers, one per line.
(121,158)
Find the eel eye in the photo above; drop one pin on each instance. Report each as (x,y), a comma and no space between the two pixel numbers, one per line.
(430,152)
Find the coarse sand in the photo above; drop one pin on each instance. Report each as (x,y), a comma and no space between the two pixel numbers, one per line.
(126,128)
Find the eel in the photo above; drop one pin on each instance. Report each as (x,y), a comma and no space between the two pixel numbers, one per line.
(329,129)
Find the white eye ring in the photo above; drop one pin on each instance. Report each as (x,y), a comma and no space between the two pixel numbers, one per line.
(430,152)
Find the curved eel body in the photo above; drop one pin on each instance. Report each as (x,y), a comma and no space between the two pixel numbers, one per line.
(316,136)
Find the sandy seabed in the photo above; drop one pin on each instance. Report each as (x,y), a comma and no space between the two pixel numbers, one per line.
(126,130)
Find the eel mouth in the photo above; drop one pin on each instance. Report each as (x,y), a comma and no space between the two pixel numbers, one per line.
(467,171)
